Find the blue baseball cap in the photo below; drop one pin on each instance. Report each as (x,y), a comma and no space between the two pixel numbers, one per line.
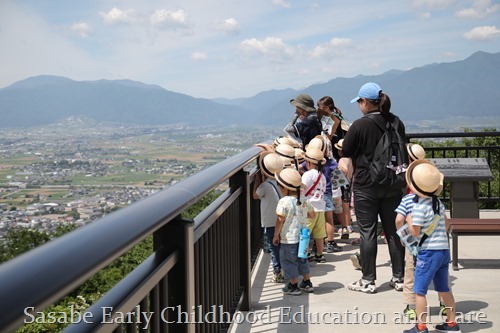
(369,90)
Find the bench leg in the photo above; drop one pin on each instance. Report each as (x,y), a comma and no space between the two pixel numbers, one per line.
(454,238)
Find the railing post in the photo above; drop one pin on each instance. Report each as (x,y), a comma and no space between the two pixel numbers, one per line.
(179,235)
(242,179)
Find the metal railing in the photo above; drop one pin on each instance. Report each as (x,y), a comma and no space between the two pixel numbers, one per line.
(196,265)
(489,193)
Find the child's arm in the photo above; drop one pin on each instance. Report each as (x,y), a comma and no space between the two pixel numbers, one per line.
(311,213)
(277,229)
(400,220)
(414,230)
(446,223)
(256,185)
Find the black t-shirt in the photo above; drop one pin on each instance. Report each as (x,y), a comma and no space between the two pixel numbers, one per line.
(360,142)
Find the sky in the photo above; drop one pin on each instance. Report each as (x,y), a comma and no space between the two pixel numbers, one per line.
(237,48)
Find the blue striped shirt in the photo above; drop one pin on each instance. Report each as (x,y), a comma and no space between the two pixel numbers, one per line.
(406,206)
(422,216)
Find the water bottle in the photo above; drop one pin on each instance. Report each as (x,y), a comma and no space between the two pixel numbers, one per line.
(304,243)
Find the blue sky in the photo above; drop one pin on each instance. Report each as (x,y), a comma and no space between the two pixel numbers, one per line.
(237,48)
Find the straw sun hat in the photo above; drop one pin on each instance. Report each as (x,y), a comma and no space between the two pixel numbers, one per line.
(424,178)
(285,151)
(270,163)
(338,145)
(315,156)
(415,151)
(318,143)
(289,179)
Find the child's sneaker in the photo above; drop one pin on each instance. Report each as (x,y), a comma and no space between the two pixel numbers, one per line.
(291,289)
(356,261)
(396,284)
(349,228)
(442,309)
(331,247)
(364,287)
(345,234)
(307,286)
(415,329)
(320,258)
(277,277)
(410,313)
(444,327)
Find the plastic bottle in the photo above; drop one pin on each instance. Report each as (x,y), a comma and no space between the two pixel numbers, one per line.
(304,243)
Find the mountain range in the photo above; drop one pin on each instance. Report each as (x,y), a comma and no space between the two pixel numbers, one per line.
(466,88)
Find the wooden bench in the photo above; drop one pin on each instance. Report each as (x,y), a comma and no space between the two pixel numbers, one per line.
(470,226)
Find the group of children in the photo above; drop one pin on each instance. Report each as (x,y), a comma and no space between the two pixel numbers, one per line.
(303,188)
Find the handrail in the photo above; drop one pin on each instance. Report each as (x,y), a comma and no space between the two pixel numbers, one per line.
(452,135)
(46,274)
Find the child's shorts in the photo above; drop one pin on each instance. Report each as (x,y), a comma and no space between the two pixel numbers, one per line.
(328,202)
(432,265)
(292,265)
(317,226)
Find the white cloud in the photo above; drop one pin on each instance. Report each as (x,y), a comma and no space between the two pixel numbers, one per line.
(433,4)
(424,15)
(281,3)
(480,9)
(83,29)
(336,46)
(116,15)
(166,19)
(229,26)
(483,33)
(271,47)
(199,56)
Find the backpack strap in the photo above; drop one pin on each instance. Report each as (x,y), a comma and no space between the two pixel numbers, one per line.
(313,185)
(435,220)
(275,188)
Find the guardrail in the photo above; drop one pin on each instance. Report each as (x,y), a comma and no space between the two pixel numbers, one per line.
(195,264)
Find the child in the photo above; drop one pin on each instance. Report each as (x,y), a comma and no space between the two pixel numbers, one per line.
(428,225)
(314,190)
(266,189)
(292,218)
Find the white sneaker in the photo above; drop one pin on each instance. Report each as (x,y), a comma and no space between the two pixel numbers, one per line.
(364,287)
(396,284)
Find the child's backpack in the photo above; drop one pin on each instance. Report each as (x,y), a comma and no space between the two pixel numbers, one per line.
(390,158)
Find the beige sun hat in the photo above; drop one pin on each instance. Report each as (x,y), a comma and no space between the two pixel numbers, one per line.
(318,143)
(270,163)
(287,163)
(299,155)
(285,151)
(415,151)
(424,178)
(338,145)
(315,156)
(283,140)
(289,179)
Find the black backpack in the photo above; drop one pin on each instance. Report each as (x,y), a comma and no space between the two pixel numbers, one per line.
(390,158)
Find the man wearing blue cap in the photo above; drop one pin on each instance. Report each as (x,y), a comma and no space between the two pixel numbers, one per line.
(372,199)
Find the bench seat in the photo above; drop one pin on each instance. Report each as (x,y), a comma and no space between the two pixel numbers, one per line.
(470,226)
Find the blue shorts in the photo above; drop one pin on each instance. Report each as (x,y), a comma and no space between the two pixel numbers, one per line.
(292,265)
(328,202)
(432,265)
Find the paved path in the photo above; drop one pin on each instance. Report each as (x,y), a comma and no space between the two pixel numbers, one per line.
(476,287)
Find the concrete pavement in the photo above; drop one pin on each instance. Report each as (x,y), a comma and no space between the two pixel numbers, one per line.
(334,308)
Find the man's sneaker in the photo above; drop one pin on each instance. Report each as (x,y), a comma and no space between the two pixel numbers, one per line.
(410,313)
(356,261)
(444,327)
(277,278)
(442,309)
(415,329)
(307,286)
(396,284)
(291,289)
(364,287)
(320,258)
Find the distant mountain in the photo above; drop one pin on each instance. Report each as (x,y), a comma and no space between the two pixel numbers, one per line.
(48,99)
(466,88)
